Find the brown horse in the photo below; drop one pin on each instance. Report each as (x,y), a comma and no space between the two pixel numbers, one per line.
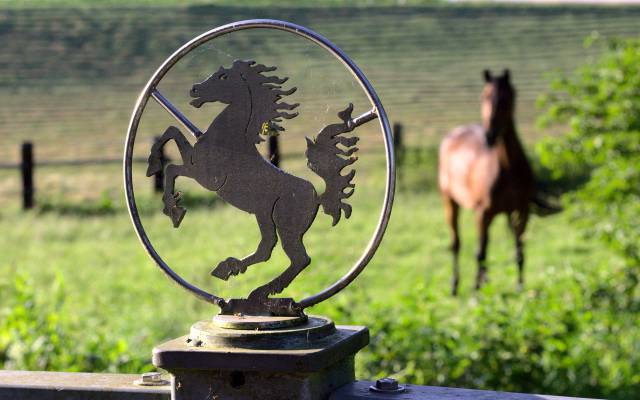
(484,168)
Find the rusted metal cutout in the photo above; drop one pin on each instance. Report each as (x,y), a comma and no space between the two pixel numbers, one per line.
(225,160)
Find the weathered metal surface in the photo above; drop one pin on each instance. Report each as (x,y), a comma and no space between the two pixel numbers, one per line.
(225,160)
(38,385)
(252,385)
(256,323)
(286,350)
(303,362)
(209,333)
(361,390)
(27,385)
(283,307)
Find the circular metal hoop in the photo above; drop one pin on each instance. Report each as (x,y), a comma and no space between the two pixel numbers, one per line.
(141,103)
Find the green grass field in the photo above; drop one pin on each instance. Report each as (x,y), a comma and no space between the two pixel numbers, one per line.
(112,286)
(112,290)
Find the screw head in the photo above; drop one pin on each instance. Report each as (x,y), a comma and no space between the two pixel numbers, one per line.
(151,379)
(387,385)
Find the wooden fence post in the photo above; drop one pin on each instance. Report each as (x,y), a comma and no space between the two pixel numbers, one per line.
(398,143)
(158,182)
(26,169)
(274,151)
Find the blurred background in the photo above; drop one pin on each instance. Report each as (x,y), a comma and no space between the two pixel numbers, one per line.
(79,294)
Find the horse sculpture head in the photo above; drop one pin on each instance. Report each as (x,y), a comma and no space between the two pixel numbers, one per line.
(498,105)
(245,82)
(220,86)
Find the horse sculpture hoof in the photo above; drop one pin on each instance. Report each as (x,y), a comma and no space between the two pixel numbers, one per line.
(155,165)
(259,294)
(177,214)
(228,267)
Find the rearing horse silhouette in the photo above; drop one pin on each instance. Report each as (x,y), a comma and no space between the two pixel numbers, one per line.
(484,168)
(225,160)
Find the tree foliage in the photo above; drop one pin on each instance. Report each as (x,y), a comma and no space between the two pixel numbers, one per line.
(601,104)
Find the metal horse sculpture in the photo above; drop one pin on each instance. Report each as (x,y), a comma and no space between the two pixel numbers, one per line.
(225,160)
(484,168)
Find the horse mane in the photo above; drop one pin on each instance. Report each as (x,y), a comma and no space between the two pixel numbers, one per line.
(266,92)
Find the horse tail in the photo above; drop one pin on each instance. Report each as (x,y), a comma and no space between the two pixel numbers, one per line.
(542,207)
(327,160)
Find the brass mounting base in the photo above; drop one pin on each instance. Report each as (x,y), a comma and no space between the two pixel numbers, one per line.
(249,322)
(211,334)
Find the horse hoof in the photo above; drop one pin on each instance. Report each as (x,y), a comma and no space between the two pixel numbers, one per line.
(259,294)
(228,267)
(177,214)
(155,166)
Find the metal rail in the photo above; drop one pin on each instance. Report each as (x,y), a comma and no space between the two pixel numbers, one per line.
(173,110)
(38,385)
(73,163)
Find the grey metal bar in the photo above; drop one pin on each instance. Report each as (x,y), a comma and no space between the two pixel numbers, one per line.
(88,161)
(28,385)
(9,166)
(363,119)
(171,109)
(37,385)
(361,390)
(71,163)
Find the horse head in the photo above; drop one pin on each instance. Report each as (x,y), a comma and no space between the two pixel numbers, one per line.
(220,86)
(498,105)
(245,82)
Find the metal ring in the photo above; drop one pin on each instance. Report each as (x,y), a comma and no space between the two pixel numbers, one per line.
(364,83)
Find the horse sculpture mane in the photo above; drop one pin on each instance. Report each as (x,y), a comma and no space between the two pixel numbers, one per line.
(267,92)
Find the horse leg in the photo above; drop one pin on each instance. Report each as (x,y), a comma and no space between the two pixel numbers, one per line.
(518,222)
(295,250)
(483,220)
(170,199)
(155,156)
(233,266)
(451,210)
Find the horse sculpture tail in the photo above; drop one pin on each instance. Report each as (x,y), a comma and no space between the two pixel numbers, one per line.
(326,159)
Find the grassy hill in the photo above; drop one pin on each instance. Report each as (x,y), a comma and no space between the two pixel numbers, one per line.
(69,75)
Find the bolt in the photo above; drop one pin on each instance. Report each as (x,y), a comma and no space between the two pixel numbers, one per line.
(387,385)
(151,377)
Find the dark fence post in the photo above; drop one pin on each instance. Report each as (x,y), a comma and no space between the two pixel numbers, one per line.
(26,168)
(398,143)
(158,182)
(274,151)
